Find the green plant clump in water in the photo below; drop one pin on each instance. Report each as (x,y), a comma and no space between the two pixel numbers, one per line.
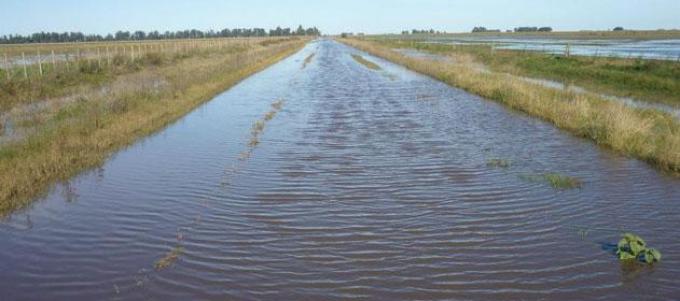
(555,180)
(169,258)
(562,181)
(502,163)
(632,246)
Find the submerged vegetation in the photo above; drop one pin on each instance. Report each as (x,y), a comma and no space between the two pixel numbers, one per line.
(650,135)
(308,60)
(258,128)
(557,181)
(365,62)
(84,114)
(498,163)
(169,259)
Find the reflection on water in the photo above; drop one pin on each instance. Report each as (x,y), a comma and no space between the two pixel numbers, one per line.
(361,187)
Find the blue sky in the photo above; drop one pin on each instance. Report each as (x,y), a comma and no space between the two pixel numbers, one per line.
(370,16)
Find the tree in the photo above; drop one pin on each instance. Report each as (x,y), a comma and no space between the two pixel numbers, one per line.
(618,28)
(300,31)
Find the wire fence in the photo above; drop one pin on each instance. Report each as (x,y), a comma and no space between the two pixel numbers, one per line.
(27,62)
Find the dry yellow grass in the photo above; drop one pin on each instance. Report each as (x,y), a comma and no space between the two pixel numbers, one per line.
(649,135)
(83,133)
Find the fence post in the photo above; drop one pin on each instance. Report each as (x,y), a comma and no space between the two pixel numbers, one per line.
(567,50)
(23,60)
(99,60)
(7,67)
(108,56)
(40,64)
(68,64)
(54,62)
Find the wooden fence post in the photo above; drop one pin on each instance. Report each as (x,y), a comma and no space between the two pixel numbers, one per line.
(68,64)
(567,50)
(99,60)
(40,64)
(7,67)
(54,62)
(23,59)
(108,56)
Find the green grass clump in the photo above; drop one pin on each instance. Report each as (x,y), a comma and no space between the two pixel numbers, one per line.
(562,181)
(365,62)
(557,181)
(498,163)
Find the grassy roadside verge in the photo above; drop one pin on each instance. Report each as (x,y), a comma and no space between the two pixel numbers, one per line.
(646,134)
(83,133)
(648,80)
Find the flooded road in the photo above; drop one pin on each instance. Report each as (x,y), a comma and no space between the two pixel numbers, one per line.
(362,184)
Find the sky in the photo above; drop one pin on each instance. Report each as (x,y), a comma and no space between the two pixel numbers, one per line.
(368,16)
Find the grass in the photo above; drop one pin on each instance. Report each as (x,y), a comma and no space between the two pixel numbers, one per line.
(365,62)
(308,60)
(64,138)
(647,80)
(258,128)
(169,259)
(649,135)
(498,163)
(557,181)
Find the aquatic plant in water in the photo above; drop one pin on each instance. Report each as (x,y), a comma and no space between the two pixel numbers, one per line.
(632,247)
(555,180)
(169,258)
(502,163)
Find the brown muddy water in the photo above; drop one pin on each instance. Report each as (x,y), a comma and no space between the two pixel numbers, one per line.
(363,184)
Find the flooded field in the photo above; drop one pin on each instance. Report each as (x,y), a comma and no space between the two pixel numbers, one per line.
(670,109)
(322,179)
(668,49)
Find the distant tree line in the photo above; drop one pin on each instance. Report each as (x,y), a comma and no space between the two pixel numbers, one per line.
(533,29)
(483,29)
(56,37)
(420,31)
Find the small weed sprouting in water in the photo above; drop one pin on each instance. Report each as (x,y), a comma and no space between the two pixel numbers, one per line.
(169,258)
(632,246)
(258,128)
(308,60)
(498,163)
(365,62)
(562,181)
(555,180)
(277,105)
